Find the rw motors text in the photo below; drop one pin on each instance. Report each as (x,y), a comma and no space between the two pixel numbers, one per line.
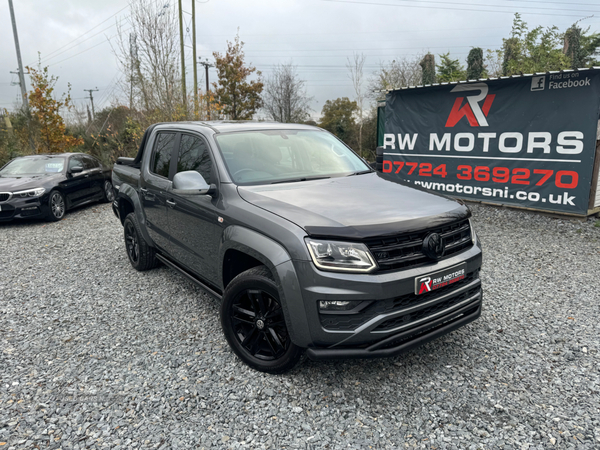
(567,142)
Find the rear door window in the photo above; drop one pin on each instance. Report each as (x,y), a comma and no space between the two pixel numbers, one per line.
(160,162)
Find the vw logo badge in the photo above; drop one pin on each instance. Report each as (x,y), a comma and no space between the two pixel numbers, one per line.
(433,246)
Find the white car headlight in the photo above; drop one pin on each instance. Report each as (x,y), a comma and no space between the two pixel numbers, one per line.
(340,256)
(30,192)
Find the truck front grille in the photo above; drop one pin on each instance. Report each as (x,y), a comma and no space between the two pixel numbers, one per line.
(404,251)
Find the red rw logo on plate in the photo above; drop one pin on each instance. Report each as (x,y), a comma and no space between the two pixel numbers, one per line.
(437,281)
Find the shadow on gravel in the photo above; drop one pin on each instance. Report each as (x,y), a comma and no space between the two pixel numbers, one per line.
(70,214)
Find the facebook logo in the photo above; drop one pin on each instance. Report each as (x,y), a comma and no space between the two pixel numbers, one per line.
(538,83)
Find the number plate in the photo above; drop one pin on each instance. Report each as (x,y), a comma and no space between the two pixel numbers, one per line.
(440,279)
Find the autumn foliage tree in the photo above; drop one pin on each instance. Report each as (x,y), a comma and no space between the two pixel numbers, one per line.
(51,130)
(239,97)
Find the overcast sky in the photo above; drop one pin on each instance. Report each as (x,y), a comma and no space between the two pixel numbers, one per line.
(317,36)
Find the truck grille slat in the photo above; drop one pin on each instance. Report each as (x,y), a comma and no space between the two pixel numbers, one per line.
(405,251)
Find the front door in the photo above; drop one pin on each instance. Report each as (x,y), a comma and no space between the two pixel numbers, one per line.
(193,219)
(76,187)
(155,184)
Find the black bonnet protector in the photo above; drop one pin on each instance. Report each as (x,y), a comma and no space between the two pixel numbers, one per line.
(356,207)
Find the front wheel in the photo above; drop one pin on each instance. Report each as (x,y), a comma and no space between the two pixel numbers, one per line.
(57,206)
(254,325)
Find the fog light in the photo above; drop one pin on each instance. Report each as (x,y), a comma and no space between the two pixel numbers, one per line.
(338,305)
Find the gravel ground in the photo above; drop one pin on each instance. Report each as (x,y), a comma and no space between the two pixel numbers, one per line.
(96,355)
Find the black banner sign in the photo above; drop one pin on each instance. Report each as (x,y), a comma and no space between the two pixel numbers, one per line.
(528,141)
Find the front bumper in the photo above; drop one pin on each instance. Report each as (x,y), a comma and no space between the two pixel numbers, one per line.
(395,319)
(24,208)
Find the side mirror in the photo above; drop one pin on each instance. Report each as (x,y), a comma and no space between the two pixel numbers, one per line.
(76,169)
(191,182)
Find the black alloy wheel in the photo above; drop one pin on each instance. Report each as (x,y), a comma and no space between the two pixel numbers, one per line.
(140,254)
(257,320)
(254,324)
(132,243)
(56,202)
(108,192)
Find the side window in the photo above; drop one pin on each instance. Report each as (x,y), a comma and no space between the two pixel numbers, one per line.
(161,157)
(75,161)
(194,155)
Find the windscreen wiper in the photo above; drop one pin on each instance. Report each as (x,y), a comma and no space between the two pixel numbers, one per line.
(294,180)
(360,173)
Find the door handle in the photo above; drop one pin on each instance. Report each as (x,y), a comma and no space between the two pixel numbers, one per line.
(171,203)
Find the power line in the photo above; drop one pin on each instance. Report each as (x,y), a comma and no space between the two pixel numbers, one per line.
(48,58)
(79,37)
(89,48)
(442,7)
(494,5)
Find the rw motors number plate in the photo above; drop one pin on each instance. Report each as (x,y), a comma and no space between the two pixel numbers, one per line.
(440,279)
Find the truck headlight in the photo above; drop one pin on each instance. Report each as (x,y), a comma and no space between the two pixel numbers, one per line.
(340,256)
(473,236)
(30,192)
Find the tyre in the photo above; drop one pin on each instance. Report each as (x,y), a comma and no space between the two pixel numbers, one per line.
(57,206)
(108,192)
(140,254)
(254,325)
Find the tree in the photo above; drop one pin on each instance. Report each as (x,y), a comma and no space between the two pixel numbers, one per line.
(51,129)
(493,63)
(428,66)
(338,118)
(284,98)
(530,51)
(475,67)
(400,72)
(148,55)
(356,76)
(580,47)
(240,98)
(449,69)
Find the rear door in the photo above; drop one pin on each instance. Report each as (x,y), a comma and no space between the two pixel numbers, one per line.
(193,219)
(155,182)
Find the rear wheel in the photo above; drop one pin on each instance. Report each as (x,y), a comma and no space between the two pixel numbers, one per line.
(108,192)
(140,254)
(57,206)
(254,325)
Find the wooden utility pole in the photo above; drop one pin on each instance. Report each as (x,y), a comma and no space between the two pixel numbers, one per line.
(18,48)
(195,65)
(183,89)
(206,65)
(21,73)
(92,100)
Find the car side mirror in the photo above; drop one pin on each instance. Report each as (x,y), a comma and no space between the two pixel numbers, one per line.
(191,182)
(76,169)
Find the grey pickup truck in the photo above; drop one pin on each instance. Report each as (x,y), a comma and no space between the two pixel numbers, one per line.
(309,251)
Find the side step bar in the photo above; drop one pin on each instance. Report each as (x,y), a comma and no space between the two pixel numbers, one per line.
(189,276)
